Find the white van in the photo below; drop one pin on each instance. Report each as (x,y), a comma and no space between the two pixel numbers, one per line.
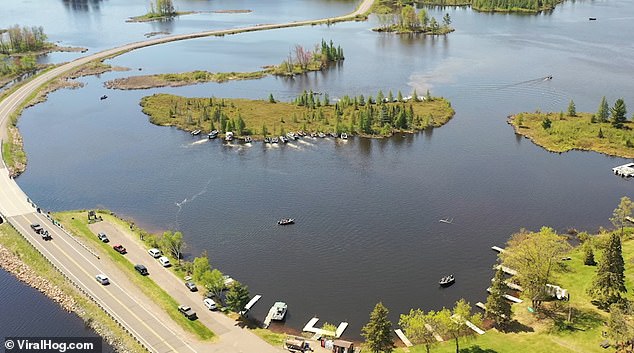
(154,252)
(164,261)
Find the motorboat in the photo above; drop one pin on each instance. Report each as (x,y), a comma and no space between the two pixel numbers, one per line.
(248,139)
(344,136)
(195,132)
(229,136)
(447,281)
(285,221)
(213,134)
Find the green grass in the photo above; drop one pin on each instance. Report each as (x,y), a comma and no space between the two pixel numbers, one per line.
(279,117)
(272,338)
(575,133)
(76,222)
(10,239)
(154,16)
(546,331)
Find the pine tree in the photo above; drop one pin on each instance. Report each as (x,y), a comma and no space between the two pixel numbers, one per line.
(588,260)
(608,286)
(600,134)
(399,96)
(572,109)
(546,123)
(497,307)
(237,296)
(271,98)
(604,111)
(378,331)
(618,113)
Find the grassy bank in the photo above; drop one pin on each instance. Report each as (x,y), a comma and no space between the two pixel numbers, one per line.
(575,133)
(548,330)
(182,79)
(90,313)
(148,17)
(267,118)
(77,222)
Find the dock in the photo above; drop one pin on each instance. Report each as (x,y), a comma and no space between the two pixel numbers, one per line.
(511,285)
(508,297)
(401,335)
(252,302)
(483,307)
(310,327)
(436,335)
(497,249)
(508,271)
(470,324)
(269,317)
(625,170)
(629,219)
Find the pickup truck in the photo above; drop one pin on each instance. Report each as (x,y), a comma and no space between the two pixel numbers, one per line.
(187,312)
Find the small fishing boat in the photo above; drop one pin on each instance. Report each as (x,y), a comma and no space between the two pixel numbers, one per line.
(313,134)
(446,220)
(592,18)
(103,97)
(321,134)
(213,134)
(195,132)
(248,139)
(291,136)
(275,140)
(267,140)
(284,139)
(229,136)
(344,136)
(285,221)
(301,133)
(334,134)
(447,281)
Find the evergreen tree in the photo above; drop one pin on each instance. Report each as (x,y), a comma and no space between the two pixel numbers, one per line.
(428,96)
(399,96)
(604,111)
(618,327)
(572,109)
(271,98)
(588,259)
(378,331)
(497,307)
(618,113)
(600,134)
(608,286)
(237,296)
(546,123)
(390,97)
(415,96)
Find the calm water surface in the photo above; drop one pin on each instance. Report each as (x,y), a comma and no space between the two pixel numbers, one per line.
(24,309)
(367,211)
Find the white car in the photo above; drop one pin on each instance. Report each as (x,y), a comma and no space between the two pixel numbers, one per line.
(154,252)
(103,279)
(164,261)
(210,304)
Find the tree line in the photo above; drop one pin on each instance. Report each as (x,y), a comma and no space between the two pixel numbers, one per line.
(23,39)
(406,19)
(212,279)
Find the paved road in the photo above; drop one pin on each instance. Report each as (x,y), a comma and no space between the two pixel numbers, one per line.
(122,300)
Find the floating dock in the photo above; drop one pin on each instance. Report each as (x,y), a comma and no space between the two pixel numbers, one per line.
(310,327)
(625,170)
(483,307)
(436,335)
(401,335)
(252,302)
(511,285)
(497,249)
(508,297)
(470,324)
(508,271)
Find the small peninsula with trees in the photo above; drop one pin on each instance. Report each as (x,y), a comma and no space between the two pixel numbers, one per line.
(369,116)
(607,131)
(299,61)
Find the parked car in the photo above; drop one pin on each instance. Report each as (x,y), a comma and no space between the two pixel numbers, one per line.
(164,261)
(141,269)
(37,228)
(210,304)
(120,249)
(192,286)
(103,279)
(103,237)
(154,252)
(187,312)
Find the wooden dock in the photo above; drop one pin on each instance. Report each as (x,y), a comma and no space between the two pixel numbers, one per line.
(629,219)
(511,285)
(310,327)
(252,302)
(508,297)
(436,335)
(483,307)
(269,317)
(401,335)
(498,249)
(508,271)
(470,324)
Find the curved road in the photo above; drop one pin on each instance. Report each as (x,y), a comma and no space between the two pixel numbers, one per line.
(122,300)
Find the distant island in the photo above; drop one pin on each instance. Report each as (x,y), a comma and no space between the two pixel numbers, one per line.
(405,19)
(607,131)
(379,116)
(531,6)
(299,61)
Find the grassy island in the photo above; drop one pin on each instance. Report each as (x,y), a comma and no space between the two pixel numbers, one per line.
(405,19)
(298,62)
(365,116)
(557,132)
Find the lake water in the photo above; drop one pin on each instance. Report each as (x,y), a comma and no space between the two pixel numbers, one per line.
(367,211)
(26,307)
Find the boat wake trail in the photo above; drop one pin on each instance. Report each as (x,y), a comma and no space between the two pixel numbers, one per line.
(527,82)
(189,199)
